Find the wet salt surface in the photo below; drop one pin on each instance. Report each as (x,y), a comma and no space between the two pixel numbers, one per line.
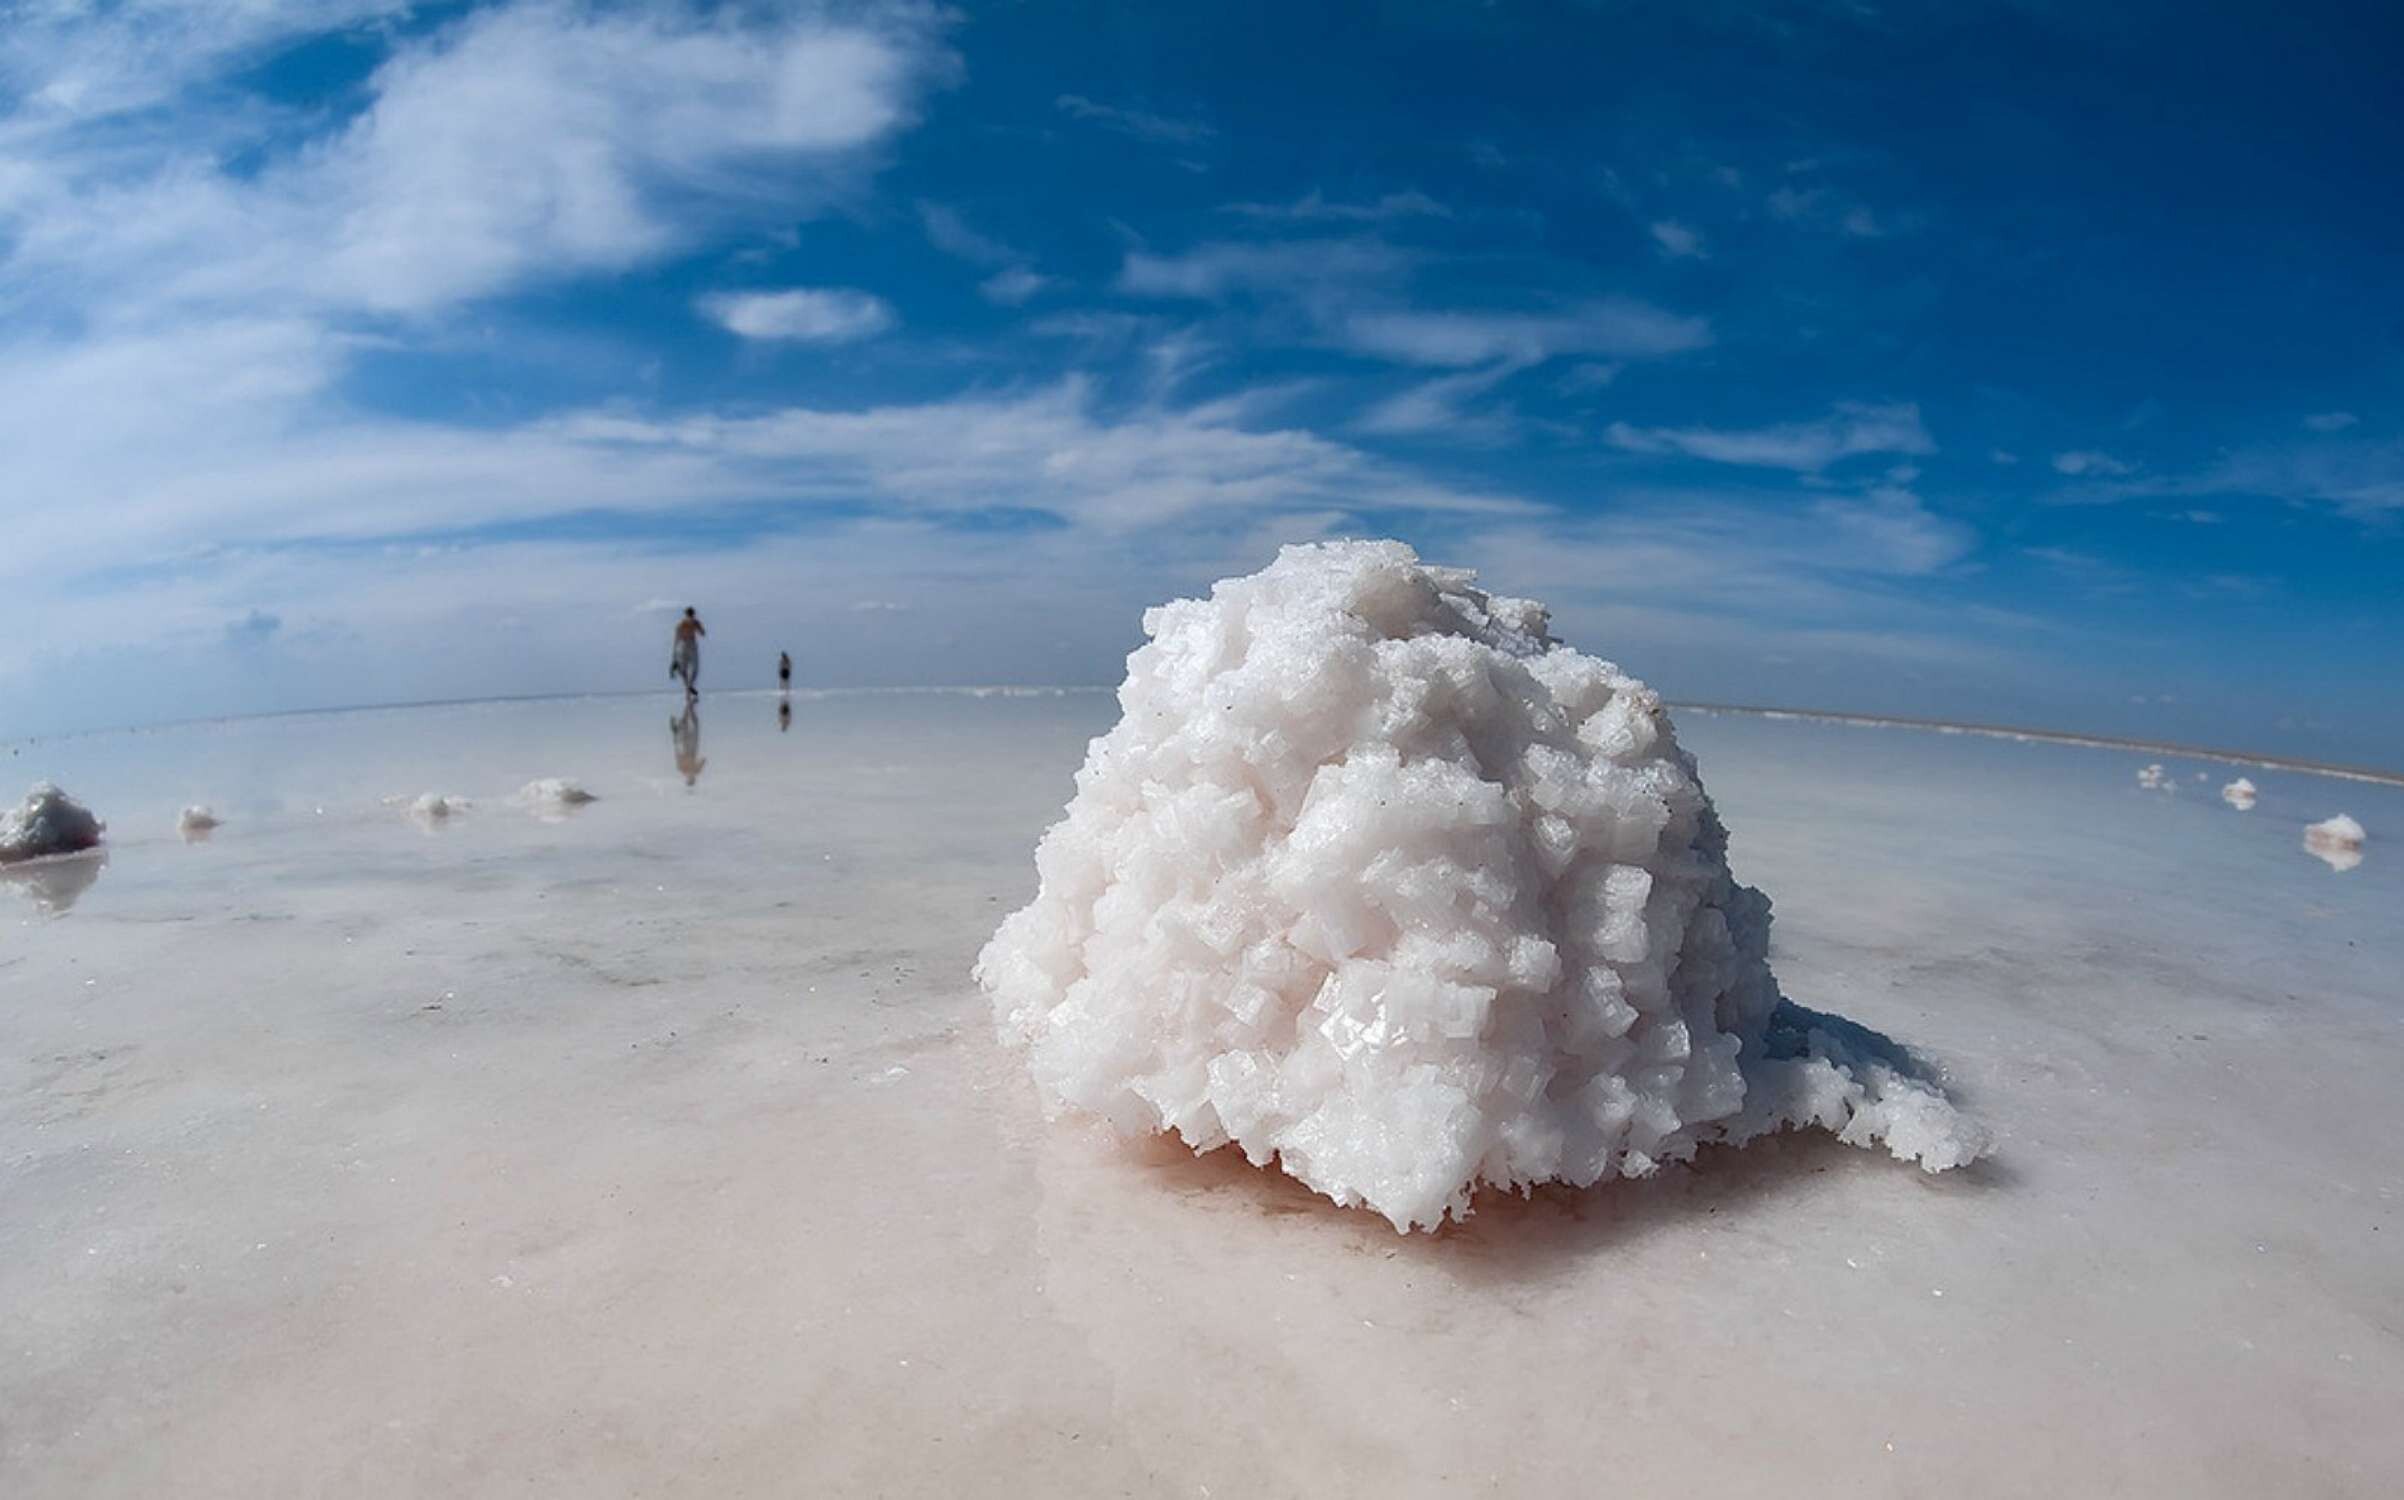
(664,1147)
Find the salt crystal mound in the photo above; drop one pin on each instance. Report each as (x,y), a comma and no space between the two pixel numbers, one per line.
(196,819)
(1376,879)
(2335,842)
(2341,831)
(2239,794)
(552,798)
(47,822)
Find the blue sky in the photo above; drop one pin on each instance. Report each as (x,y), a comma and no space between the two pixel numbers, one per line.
(2002,362)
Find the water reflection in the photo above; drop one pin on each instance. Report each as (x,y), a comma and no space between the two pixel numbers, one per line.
(58,882)
(684,732)
(784,715)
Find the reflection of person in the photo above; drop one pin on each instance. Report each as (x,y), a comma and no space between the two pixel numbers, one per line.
(684,732)
(784,714)
(784,672)
(684,658)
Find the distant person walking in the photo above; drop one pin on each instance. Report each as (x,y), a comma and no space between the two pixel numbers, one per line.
(784,672)
(684,658)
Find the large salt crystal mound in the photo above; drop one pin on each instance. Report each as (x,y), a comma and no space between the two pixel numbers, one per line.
(47,822)
(1378,881)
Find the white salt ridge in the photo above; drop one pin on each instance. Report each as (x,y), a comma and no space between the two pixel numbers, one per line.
(47,822)
(2239,794)
(1376,880)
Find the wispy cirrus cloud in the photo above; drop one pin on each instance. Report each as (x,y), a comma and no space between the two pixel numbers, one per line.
(2087,462)
(803,315)
(1220,268)
(1016,283)
(1852,429)
(1441,408)
(1612,327)
(1677,241)
(1315,207)
(1142,125)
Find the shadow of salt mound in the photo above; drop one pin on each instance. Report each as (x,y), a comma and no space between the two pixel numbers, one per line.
(56,882)
(1552,1229)
(1789,1036)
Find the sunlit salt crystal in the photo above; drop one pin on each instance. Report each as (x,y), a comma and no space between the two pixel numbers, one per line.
(2153,777)
(47,822)
(1376,880)
(2239,794)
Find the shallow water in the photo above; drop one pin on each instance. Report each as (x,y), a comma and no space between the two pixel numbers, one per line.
(663,1146)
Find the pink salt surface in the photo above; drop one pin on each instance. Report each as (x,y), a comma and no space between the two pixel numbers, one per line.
(664,1149)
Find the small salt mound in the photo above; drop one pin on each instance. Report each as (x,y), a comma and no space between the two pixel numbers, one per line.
(1377,880)
(433,807)
(2341,831)
(196,821)
(2335,842)
(2153,778)
(2238,794)
(47,822)
(554,794)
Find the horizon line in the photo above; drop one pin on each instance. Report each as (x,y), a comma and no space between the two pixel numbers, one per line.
(2337,770)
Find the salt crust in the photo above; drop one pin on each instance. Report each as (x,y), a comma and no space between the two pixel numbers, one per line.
(1376,880)
(47,822)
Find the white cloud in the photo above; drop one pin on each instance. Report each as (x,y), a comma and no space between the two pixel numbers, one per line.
(2331,421)
(1315,207)
(809,315)
(1889,530)
(951,234)
(1593,375)
(1162,130)
(70,62)
(1052,451)
(1212,271)
(523,142)
(1677,241)
(1825,208)
(2086,462)
(2362,479)
(1849,430)
(1013,286)
(1618,327)
(2003,457)
(1440,407)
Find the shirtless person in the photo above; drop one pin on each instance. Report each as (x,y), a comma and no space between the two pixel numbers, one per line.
(684,658)
(784,671)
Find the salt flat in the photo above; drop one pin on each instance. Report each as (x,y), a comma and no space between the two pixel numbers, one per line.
(662,1146)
